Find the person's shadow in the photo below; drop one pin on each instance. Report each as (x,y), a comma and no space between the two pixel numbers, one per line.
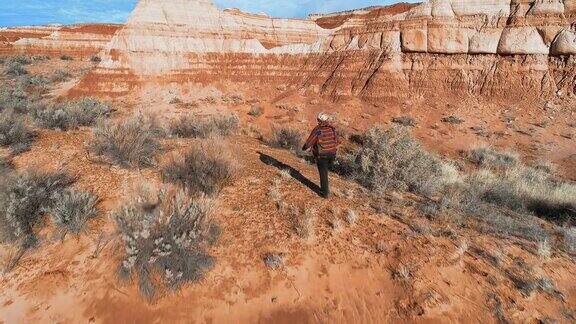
(297,175)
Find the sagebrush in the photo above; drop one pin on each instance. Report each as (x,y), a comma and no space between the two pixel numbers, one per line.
(15,132)
(15,99)
(15,69)
(165,234)
(132,142)
(71,115)
(206,167)
(391,159)
(286,137)
(72,209)
(24,199)
(191,126)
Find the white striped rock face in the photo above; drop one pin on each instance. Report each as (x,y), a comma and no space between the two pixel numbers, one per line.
(161,35)
(81,40)
(490,47)
(162,32)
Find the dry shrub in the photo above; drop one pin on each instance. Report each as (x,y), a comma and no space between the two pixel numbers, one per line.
(6,166)
(72,210)
(71,115)
(351,217)
(488,157)
(255,111)
(274,260)
(24,198)
(20,59)
(207,167)
(191,126)
(132,142)
(15,132)
(570,239)
(60,76)
(393,159)
(287,138)
(452,120)
(404,121)
(527,190)
(34,83)
(66,58)
(15,99)
(165,233)
(14,69)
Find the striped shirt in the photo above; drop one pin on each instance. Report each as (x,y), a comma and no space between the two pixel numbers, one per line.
(322,140)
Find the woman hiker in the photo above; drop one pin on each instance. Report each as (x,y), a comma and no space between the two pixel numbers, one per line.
(324,145)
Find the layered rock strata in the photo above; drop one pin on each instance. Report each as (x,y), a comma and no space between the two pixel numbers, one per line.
(79,40)
(461,45)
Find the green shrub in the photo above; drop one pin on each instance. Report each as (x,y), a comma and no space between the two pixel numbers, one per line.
(165,235)
(71,115)
(206,167)
(36,83)
(133,142)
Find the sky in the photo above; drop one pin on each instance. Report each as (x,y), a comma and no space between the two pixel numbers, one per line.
(42,12)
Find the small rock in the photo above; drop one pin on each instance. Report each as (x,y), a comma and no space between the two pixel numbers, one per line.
(274,260)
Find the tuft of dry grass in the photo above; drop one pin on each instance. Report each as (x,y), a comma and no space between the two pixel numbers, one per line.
(72,210)
(303,222)
(255,111)
(401,273)
(351,217)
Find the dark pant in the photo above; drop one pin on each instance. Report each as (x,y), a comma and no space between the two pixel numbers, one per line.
(324,163)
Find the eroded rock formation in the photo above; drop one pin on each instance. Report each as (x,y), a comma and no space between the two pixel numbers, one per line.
(464,46)
(460,45)
(80,40)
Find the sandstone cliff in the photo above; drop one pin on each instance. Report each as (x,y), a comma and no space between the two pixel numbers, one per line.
(79,40)
(467,46)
